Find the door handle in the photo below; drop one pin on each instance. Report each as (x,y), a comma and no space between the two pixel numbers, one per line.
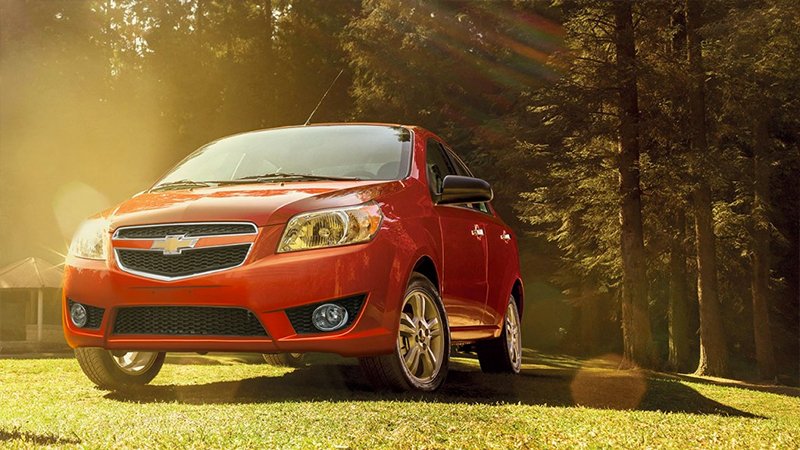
(478,231)
(505,236)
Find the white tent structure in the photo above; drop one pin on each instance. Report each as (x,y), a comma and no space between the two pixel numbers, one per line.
(32,274)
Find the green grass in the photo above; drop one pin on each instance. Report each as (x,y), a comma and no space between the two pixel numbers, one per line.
(204,402)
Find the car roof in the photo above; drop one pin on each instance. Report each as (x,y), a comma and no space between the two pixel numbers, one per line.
(412,128)
(331,124)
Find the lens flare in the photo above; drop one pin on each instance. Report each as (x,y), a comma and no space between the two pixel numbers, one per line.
(75,201)
(598,385)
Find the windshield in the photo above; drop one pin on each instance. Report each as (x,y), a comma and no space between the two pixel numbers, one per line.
(365,152)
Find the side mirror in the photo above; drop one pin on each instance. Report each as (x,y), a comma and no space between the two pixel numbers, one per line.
(457,189)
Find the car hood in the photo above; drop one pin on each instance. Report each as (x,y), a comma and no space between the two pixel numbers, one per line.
(263,203)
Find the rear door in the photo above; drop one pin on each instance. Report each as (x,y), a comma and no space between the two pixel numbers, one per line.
(502,259)
(464,284)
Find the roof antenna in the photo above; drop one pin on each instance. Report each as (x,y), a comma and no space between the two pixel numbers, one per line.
(323,98)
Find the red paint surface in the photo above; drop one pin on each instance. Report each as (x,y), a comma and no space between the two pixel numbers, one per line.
(475,274)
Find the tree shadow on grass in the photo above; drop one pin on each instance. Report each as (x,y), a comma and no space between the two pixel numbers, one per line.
(594,388)
(789,391)
(36,439)
(223,360)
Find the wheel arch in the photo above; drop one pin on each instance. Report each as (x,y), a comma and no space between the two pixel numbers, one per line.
(427,267)
(518,292)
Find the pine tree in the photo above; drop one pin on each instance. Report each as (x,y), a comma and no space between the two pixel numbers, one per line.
(638,344)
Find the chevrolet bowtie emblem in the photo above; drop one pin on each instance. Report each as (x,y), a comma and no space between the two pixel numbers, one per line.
(173,245)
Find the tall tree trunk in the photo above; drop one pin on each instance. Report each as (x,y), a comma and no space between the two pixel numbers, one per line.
(765,358)
(713,349)
(678,300)
(678,312)
(270,80)
(637,339)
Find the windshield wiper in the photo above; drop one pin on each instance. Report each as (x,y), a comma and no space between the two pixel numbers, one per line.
(179,184)
(282,175)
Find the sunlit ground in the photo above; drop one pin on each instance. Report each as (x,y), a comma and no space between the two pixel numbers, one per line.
(233,402)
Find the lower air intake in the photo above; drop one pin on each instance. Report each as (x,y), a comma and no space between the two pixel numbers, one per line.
(187,321)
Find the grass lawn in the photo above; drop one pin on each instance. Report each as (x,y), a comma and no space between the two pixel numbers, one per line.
(226,402)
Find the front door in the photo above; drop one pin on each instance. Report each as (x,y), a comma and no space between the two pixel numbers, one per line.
(464,282)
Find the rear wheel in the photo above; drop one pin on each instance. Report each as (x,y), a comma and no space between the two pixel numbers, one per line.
(421,356)
(285,359)
(119,370)
(503,354)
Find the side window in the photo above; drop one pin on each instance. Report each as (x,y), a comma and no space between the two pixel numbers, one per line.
(438,166)
(461,169)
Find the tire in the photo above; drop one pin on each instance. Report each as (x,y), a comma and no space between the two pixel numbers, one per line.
(423,339)
(285,359)
(119,372)
(503,354)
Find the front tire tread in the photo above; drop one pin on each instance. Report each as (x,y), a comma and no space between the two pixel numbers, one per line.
(385,371)
(99,367)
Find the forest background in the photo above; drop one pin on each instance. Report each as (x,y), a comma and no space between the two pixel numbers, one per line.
(646,152)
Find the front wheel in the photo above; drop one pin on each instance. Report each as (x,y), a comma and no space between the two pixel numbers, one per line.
(503,354)
(421,355)
(119,370)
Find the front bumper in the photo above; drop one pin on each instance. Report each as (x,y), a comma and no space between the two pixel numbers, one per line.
(267,285)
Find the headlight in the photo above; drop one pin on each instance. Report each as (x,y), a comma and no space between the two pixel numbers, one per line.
(91,240)
(331,228)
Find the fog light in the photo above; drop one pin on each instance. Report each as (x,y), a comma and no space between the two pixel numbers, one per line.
(78,315)
(329,317)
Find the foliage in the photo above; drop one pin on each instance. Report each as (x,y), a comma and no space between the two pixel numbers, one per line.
(526,90)
(747,47)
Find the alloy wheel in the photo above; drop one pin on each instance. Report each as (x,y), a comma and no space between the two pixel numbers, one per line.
(421,339)
(134,363)
(513,341)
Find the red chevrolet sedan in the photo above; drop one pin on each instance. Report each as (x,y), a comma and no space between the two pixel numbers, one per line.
(366,240)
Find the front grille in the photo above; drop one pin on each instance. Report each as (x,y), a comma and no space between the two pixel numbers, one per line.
(300,317)
(94,315)
(188,262)
(189,230)
(187,321)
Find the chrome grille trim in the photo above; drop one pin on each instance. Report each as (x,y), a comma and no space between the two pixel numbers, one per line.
(178,277)
(116,234)
(153,276)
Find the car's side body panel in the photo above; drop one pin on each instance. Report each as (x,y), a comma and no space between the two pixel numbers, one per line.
(503,267)
(464,257)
